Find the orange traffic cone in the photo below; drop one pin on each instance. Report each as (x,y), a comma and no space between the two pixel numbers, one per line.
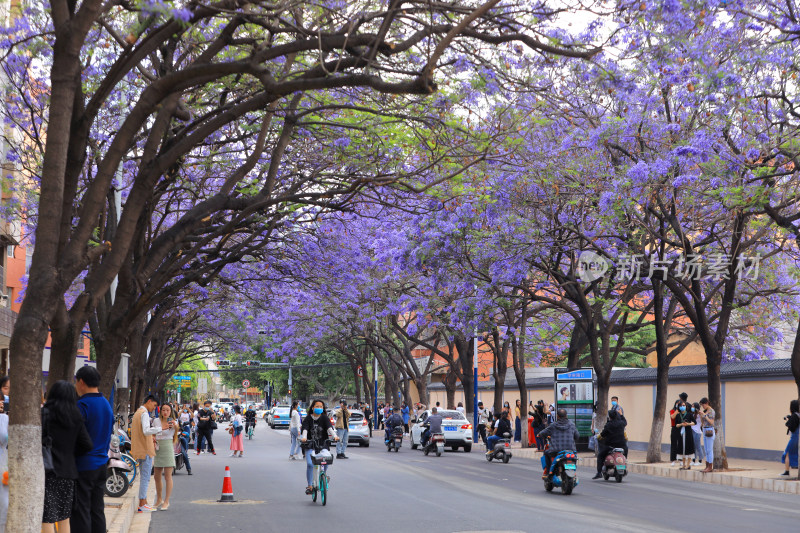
(227,487)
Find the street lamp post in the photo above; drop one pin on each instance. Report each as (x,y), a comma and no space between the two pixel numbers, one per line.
(375,396)
(475,390)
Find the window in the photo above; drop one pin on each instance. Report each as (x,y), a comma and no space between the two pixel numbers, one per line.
(10,250)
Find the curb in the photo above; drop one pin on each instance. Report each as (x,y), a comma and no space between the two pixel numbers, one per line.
(784,486)
(120,511)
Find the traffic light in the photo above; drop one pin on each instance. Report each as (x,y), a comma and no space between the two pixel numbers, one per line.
(290,392)
(222,362)
(253,363)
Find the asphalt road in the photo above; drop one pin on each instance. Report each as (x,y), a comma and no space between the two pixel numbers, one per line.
(457,492)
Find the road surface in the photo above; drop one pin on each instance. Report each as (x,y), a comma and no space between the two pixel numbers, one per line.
(457,492)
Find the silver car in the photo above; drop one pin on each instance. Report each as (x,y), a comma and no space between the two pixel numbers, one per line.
(455,426)
(358,427)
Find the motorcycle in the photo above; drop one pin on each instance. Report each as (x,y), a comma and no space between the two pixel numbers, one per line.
(395,439)
(563,472)
(616,465)
(117,471)
(501,450)
(435,443)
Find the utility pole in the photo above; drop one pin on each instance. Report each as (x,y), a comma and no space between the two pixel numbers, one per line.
(475,389)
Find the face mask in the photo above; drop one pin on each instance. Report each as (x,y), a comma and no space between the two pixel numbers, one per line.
(682,408)
(318,410)
(613,404)
(693,409)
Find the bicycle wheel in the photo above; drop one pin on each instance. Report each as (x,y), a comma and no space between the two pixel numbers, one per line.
(323,488)
(134,467)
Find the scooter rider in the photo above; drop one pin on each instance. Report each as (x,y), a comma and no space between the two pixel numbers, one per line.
(563,435)
(503,427)
(392,422)
(249,418)
(612,436)
(432,425)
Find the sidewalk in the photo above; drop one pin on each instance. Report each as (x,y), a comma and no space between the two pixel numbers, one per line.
(121,515)
(748,474)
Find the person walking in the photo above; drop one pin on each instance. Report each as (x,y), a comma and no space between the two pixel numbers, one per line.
(342,415)
(88,509)
(707,417)
(789,458)
(294,431)
(368,416)
(517,422)
(405,411)
(164,461)
(195,436)
(143,447)
(236,429)
(206,422)
(460,408)
(65,434)
(483,421)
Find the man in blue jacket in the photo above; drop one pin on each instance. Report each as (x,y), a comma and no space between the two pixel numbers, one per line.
(88,512)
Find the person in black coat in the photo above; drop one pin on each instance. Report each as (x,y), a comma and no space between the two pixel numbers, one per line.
(65,433)
(612,436)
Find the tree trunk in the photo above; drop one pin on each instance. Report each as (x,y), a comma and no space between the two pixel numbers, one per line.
(657,426)
(25,469)
(63,347)
(466,354)
(662,376)
(109,354)
(713,362)
(519,372)
(796,359)
(422,390)
(577,342)
(450,383)
(499,373)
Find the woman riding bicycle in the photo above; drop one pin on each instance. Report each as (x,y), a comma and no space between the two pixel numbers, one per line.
(318,430)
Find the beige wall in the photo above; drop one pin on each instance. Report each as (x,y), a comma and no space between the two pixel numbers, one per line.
(754,410)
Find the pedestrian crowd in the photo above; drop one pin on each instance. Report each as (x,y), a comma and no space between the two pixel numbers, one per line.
(692,433)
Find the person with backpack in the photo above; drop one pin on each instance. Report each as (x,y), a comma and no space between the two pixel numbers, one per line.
(236,429)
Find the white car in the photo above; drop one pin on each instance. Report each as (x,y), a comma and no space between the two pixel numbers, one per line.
(455,426)
(358,432)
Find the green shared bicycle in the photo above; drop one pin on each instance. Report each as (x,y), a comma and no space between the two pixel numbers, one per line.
(320,482)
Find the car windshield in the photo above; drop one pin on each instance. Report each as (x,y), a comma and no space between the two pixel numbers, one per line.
(282,411)
(356,416)
(452,415)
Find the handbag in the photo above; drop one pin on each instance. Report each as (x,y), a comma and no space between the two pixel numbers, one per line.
(708,432)
(593,443)
(47,447)
(213,425)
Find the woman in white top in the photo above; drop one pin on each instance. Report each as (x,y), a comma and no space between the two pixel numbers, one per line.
(294,431)
(164,461)
(237,431)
